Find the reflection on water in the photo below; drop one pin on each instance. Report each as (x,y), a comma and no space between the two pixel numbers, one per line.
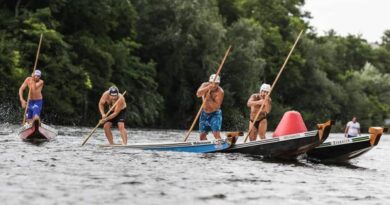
(63,172)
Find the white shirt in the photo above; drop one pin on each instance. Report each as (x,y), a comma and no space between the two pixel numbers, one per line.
(353,129)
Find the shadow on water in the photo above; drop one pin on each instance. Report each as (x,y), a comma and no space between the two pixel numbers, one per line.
(259,158)
(294,162)
(346,164)
(39,142)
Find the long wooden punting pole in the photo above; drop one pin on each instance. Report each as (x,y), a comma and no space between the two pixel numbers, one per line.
(273,85)
(207,95)
(94,129)
(29,90)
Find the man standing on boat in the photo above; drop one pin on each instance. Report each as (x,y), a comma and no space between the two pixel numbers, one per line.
(118,115)
(352,129)
(35,84)
(255,102)
(211,115)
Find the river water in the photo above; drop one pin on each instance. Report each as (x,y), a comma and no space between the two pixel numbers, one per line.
(63,172)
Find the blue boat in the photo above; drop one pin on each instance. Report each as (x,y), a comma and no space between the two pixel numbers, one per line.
(194,147)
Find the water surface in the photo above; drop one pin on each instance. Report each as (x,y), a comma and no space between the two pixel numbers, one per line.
(63,172)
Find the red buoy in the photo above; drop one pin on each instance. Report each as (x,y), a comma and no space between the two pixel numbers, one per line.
(291,123)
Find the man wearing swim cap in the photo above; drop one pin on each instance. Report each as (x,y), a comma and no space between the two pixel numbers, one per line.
(255,102)
(117,116)
(35,85)
(211,116)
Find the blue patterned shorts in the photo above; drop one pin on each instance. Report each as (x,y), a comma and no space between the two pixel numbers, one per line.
(34,108)
(210,121)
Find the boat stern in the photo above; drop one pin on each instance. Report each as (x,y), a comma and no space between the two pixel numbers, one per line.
(375,134)
(232,137)
(324,130)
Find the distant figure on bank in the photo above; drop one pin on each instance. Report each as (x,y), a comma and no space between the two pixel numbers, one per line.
(352,129)
(254,102)
(211,116)
(118,115)
(35,84)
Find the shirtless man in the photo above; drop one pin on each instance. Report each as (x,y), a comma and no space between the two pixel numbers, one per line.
(211,116)
(118,115)
(35,84)
(255,102)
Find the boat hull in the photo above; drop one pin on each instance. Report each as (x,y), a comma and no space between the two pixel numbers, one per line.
(194,147)
(37,132)
(284,147)
(346,149)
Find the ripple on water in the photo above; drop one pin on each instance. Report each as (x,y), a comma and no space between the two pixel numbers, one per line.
(64,172)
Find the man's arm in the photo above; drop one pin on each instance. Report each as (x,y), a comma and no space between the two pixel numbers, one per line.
(269,103)
(40,84)
(253,101)
(219,98)
(359,129)
(21,89)
(102,101)
(117,109)
(203,89)
(346,129)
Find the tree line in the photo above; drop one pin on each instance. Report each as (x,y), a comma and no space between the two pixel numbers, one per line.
(160,51)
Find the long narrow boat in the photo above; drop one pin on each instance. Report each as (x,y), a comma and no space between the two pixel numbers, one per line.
(37,132)
(196,147)
(342,150)
(284,147)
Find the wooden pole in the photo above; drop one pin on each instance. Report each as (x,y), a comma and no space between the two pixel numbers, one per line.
(273,85)
(94,129)
(206,98)
(29,90)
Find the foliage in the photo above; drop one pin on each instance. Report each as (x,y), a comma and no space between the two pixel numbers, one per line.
(160,51)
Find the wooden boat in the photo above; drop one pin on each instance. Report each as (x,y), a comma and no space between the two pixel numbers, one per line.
(196,147)
(37,132)
(342,150)
(284,147)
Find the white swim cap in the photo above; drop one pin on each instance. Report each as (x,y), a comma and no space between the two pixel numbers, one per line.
(265,87)
(211,79)
(37,73)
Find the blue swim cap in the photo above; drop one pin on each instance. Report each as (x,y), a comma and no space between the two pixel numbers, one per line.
(37,73)
(113,91)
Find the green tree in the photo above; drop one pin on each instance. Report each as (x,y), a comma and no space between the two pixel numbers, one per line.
(185,39)
(105,46)
(242,71)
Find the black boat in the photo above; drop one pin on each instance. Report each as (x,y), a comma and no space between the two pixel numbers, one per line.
(284,147)
(342,150)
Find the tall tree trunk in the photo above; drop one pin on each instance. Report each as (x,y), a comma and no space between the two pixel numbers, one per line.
(17,8)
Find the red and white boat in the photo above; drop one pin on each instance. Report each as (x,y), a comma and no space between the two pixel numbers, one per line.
(37,132)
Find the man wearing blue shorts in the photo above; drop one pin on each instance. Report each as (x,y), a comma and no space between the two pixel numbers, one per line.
(211,116)
(35,85)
